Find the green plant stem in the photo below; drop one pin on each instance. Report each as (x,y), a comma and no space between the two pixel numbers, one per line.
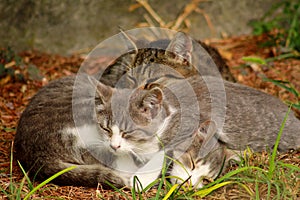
(163,173)
(293,28)
(272,163)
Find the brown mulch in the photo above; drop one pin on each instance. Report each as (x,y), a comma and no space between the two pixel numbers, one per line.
(39,68)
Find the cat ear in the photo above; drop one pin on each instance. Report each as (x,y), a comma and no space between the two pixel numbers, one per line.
(129,41)
(151,103)
(182,46)
(104,92)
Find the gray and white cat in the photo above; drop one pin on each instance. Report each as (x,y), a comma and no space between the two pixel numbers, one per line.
(102,147)
(113,134)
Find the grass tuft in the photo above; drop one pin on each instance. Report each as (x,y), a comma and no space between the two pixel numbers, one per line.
(18,191)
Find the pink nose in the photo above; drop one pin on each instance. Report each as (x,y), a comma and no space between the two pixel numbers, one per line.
(115,147)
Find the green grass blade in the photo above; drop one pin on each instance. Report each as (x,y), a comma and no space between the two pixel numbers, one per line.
(296,105)
(290,166)
(292,29)
(139,187)
(245,187)
(283,85)
(4,192)
(117,190)
(170,192)
(282,56)
(274,153)
(151,185)
(30,185)
(11,186)
(18,196)
(48,180)
(278,191)
(163,175)
(234,172)
(133,194)
(269,190)
(182,184)
(205,192)
(253,59)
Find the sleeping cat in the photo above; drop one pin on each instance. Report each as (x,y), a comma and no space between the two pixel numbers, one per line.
(176,54)
(51,136)
(194,168)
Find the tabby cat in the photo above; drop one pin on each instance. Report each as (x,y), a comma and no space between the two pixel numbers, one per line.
(176,54)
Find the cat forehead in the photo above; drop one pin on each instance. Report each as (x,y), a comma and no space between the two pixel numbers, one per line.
(120,98)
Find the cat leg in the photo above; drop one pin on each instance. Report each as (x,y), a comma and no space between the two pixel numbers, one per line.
(91,175)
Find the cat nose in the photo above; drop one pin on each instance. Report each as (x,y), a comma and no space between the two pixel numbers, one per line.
(115,147)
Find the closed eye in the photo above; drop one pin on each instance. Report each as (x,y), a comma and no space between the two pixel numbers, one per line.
(137,134)
(107,130)
(127,134)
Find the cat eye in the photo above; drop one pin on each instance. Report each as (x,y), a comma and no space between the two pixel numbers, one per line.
(105,128)
(127,134)
(124,135)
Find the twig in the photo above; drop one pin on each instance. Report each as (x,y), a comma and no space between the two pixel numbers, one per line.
(207,19)
(188,9)
(149,9)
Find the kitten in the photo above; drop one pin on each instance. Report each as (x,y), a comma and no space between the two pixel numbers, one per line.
(193,168)
(62,127)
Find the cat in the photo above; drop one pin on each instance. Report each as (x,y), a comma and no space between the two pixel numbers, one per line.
(165,52)
(192,168)
(103,143)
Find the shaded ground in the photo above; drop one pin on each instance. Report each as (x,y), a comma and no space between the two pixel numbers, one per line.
(38,69)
